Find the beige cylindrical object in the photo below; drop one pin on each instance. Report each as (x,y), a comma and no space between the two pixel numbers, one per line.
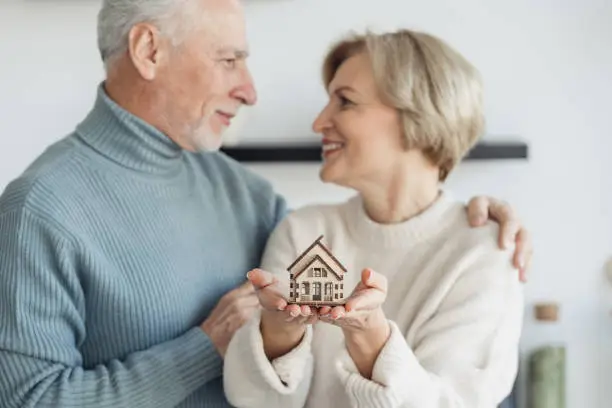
(546,312)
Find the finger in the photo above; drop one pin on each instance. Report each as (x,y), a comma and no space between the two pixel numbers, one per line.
(504,214)
(301,320)
(374,280)
(261,279)
(524,271)
(508,233)
(267,288)
(245,289)
(501,210)
(337,312)
(305,310)
(365,300)
(324,310)
(478,210)
(326,319)
(271,299)
(293,311)
(523,246)
(237,306)
(298,313)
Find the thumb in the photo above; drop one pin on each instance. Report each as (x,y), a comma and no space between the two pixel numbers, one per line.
(365,277)
(266,287)
(260,279)
(371,279)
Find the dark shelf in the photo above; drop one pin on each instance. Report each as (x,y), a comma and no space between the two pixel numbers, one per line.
(312,152)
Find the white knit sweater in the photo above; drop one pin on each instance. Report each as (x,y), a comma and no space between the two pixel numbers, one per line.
(454,304)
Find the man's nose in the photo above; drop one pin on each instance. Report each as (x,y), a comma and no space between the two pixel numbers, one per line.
(246,91)
(246,94)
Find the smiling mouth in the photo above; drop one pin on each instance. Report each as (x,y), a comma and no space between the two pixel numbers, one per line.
(226,118)
(330,148)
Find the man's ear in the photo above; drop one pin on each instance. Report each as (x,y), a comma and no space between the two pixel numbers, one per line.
(144,47)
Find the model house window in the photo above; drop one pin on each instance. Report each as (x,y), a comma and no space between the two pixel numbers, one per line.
(317,272)
(317,288)
(306,287)
(324,272)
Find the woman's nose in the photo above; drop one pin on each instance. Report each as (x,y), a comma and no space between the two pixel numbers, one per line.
(322,122)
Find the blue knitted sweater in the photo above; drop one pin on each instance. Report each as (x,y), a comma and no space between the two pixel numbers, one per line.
(115,245)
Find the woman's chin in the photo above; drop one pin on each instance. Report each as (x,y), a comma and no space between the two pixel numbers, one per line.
(326,174)
(329,175)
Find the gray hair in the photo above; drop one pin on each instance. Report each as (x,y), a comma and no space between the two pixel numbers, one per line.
(117,17)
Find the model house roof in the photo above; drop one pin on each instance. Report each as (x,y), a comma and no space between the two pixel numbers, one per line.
(321,260)
(302,262)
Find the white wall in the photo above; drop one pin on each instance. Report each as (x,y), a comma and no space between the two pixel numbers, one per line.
(547,67)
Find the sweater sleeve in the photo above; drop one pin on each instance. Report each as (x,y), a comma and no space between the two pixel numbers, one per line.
(42,307)
(250,379)
(465,355)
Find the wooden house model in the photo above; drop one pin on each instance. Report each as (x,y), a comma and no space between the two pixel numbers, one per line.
(316,277)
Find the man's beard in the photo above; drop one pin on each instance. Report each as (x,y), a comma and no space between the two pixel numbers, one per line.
(203,138)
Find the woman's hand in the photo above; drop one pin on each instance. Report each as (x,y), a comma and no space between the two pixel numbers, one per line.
(362,309)
(362,320)
(282,325)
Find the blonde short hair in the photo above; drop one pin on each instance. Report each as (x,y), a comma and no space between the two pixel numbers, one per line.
(436,90)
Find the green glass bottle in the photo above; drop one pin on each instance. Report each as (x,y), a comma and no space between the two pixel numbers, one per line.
(546,382)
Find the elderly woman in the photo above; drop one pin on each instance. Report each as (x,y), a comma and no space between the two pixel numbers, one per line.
(435,316)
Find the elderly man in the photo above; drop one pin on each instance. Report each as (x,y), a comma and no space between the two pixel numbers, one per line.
(124,246)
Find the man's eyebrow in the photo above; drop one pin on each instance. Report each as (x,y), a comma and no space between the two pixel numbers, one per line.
(236,52)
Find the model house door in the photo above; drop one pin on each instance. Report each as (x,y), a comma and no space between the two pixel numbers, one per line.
(316,291)
(305,295)
(328,293)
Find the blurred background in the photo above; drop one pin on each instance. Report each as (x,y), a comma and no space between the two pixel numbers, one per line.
(547,68)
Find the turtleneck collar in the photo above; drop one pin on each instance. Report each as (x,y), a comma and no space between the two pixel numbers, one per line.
(127,140)
(415,230)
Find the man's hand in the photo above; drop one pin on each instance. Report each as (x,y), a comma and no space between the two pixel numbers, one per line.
(233,310)
(282,325)
(482,208)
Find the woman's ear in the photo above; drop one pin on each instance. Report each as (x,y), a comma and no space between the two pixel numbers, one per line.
(144,48)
